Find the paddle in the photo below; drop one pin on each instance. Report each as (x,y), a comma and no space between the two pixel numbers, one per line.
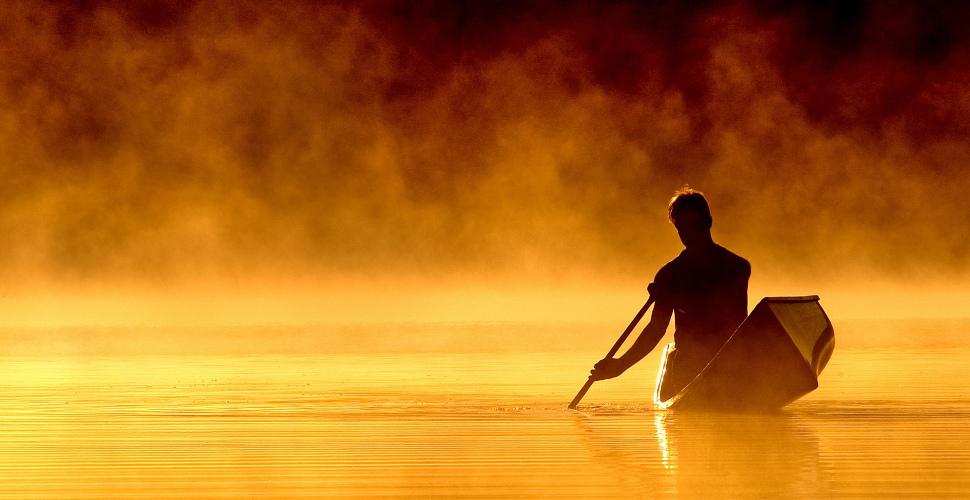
(616,347)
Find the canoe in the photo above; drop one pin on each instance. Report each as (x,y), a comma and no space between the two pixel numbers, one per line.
(772,359)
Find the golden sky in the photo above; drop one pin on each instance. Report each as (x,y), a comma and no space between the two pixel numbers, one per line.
(172,146)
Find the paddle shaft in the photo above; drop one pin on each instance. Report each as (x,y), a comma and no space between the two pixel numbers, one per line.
(616,347)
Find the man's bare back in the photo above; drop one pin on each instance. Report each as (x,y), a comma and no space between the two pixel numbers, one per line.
(705,288)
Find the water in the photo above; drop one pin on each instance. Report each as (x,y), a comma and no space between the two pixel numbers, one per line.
(886,421)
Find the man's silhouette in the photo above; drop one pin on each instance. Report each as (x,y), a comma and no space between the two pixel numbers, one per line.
(705,288)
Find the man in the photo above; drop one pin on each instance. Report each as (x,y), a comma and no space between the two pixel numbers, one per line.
(705,288)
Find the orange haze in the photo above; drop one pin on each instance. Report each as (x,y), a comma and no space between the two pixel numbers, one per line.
(213,161)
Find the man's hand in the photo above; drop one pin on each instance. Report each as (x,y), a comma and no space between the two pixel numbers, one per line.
(607,368)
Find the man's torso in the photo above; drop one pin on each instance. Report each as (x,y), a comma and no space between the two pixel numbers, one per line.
(708,292)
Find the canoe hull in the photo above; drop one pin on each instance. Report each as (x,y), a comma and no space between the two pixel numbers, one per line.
(772,359)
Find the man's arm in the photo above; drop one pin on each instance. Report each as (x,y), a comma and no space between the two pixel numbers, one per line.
(648,339)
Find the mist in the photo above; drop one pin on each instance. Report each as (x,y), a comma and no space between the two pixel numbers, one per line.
(207,145)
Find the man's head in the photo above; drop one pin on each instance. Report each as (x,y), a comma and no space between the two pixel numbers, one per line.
(689,213)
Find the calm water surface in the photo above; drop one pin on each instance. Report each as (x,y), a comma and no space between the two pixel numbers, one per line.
(885,422)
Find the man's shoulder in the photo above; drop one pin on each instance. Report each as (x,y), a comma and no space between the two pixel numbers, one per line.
(665,272)
(673,262)
(726,260)
(733,260)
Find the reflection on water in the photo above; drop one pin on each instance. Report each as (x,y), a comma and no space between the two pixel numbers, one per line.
(714,456)
(434,425)
(663,444)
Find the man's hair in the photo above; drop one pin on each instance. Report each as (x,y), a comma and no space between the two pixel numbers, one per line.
(688,199)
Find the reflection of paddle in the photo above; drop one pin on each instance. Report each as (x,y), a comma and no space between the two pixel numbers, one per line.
(616,347)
